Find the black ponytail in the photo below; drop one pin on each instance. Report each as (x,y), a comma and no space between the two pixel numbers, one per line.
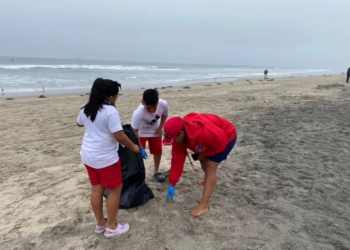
(100,91)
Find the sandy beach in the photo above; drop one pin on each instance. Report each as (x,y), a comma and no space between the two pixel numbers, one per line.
(285,185)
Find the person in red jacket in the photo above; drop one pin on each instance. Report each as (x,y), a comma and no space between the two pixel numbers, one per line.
(211,137)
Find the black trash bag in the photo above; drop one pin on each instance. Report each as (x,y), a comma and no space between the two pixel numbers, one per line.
(135,192)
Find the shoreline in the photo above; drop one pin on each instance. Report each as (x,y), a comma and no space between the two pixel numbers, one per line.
(81,92)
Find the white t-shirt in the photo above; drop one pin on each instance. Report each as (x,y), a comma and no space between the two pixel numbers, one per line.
(99,148)
(148,123)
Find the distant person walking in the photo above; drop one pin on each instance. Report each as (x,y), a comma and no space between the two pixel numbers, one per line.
(2,91)
(348,76)
(265,74)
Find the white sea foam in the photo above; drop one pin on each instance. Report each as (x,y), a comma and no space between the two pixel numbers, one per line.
(130,77)
(91,67)
(34,74)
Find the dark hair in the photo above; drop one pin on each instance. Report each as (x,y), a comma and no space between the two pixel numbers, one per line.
(150,97)
(100,91)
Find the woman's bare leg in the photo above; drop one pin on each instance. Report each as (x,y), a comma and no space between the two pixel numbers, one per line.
(112,206)
(202,160)
(209,185)
(96,200)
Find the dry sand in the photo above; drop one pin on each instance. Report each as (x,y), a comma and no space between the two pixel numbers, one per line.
(286,185)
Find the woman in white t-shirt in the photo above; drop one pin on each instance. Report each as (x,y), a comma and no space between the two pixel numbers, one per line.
(148,121)
(99,153)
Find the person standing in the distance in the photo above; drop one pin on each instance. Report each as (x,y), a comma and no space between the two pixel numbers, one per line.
(148,122)
(99,153)
(211,137)
(265,74)
(348,76)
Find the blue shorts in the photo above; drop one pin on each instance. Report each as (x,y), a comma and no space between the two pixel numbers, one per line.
(223,155)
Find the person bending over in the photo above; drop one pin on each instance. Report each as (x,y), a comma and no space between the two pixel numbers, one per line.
(211,137)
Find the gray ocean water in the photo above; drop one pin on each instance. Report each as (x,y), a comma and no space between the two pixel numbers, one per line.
(27,76)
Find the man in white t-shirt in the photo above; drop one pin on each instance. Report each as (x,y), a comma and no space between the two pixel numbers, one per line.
(148,122)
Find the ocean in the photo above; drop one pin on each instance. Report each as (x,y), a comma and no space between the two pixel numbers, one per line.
(30,76)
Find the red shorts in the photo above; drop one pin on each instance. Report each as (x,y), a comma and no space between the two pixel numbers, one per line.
(109,177)
(155,145)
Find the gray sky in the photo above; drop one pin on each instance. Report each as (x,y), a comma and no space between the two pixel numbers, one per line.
(294,33)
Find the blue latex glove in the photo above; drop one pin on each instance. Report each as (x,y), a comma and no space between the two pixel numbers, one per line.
(171,193)
(143,152)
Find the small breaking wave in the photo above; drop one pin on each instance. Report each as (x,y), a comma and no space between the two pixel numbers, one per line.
(91,67)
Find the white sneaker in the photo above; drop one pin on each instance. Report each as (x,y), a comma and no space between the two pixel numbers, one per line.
(122,228)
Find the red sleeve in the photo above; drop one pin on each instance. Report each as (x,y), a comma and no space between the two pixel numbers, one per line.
(178,157)
(213,141)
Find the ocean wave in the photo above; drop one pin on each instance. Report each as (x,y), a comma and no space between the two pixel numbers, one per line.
(91,67)
(130,77)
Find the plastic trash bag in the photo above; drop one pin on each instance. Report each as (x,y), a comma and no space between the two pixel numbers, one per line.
(135,192)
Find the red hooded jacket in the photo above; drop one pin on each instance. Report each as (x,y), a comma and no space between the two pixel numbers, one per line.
(207,134)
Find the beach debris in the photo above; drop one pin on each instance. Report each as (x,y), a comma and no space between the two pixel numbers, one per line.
(186,87)
(162,87)
(81,95)
(10,99)
(169,86)
(231,82)
(207,85)
(270,79)
(263,228)
(260,80)
(250,82)
(250,98)
(329,86)
(218,83)
(87,94)
(42,96)
(247,80)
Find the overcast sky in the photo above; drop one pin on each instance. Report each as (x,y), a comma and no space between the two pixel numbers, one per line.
(293,33)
